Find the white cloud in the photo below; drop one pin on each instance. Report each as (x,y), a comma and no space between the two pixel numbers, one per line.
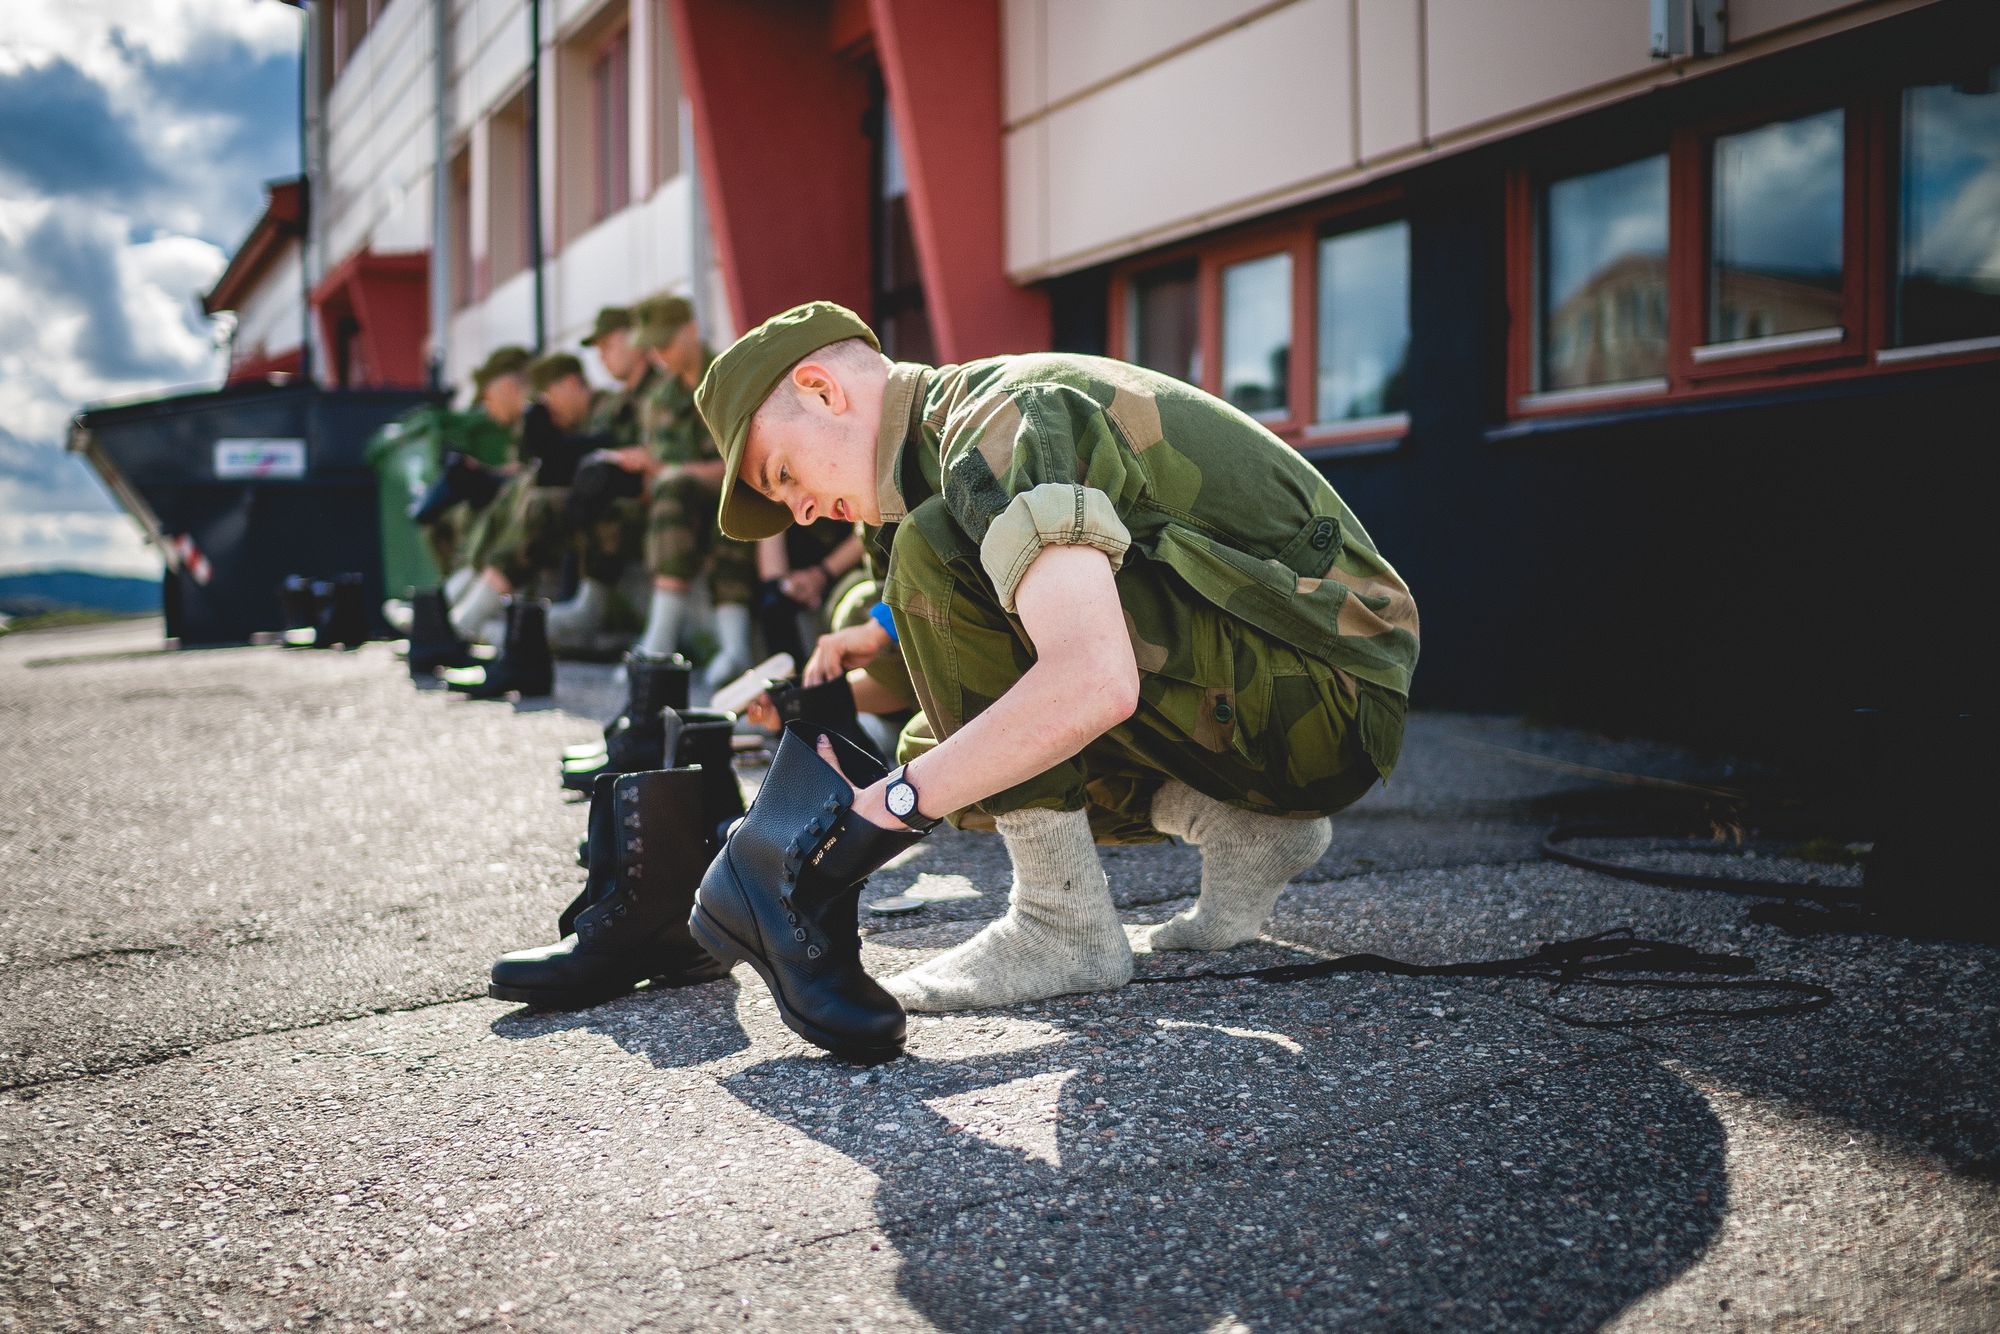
(163,29)
(106,543)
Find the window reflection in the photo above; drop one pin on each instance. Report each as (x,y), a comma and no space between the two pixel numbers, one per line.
(1257,335)
(1603,274)
(1775,239)
(1166,321)
(1364,322)
(1948,271)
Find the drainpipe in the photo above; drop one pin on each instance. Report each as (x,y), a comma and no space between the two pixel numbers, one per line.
(535,166)
(309,97)
(441,256)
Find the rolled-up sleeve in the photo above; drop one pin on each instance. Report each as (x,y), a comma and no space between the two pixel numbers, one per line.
(1052,514)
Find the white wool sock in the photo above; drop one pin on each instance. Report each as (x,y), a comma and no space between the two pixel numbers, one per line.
(732,633)
(663,623)
(1060,934)
(578,619)
(397,613)
(457,582)
(1246,861)
(479,604)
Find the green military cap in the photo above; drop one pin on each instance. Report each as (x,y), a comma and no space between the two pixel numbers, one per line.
(545,371)
(609,320)
(509,360)
(738,383)
(659,319)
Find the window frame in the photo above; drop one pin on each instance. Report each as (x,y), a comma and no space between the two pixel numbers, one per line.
(1296,233)
(1871,191)
(608,74)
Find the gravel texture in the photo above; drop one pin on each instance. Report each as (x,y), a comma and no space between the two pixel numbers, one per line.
(251,1081)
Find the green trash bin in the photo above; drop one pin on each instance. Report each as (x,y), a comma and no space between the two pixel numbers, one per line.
(407,456)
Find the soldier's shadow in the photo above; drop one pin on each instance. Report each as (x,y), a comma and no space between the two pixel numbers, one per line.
(672,1028)
(1333,1170)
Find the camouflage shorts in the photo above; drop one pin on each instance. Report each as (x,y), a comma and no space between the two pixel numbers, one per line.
(530,534)
(682,536)
(1224,708)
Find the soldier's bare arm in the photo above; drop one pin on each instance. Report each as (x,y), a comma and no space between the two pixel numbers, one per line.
(1084,682)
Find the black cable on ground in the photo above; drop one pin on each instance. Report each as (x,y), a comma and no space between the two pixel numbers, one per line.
(1552,847)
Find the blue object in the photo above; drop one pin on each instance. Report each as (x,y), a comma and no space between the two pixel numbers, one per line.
(879,613)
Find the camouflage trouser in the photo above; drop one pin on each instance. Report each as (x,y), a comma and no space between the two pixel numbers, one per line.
(1224,708)
(681,534)
(445,537)
(615,540)
(852,608)
(528,533)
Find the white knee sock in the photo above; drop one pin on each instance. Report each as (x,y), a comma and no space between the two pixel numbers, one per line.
(1060,934)
(577,619)
(732,656)
(663,622)
(477,606)
(457,582)
(1246,861)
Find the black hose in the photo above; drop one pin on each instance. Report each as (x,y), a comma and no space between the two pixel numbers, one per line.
(1552,847)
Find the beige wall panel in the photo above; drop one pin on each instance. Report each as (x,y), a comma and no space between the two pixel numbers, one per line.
(1488,58)
(1389,63)
(1026,185)
(1752,18)
(1023,65)
(1165,146)
(500,65)
(1088,41)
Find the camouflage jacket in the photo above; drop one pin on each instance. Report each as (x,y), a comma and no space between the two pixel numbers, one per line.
(1028,451)
(668,424)
(615,412)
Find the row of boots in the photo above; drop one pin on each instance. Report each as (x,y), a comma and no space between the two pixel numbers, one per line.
(524,665)
(322,613)
(682,884)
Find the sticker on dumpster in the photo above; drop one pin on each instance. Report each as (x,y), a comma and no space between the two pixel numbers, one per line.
(238,460)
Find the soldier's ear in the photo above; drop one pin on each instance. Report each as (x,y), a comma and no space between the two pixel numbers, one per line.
(813,380)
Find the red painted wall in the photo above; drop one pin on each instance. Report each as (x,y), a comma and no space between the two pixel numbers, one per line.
(784,162)
(941,64)
(388,296)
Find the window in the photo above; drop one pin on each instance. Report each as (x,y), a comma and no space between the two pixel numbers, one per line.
(664,122)
(1257,335)
(1165,318)
(1776,218)
(1302,322)
(901,315)
(1601,278)
(458,205)
(1363,324)
(1826,240)
(509,199)
(1947,273)
(610,121)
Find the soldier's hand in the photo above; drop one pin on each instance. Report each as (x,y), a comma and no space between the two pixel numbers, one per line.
(871,803)
(806,587)
(837,653)
(761,712)
(632,458)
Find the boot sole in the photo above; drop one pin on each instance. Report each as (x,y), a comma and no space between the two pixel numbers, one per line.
(724,945)
(543,999)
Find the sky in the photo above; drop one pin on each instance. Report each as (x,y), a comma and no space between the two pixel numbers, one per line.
(135,140)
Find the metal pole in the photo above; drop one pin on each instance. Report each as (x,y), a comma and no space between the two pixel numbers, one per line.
(309,92)
(441,256)
(535,165)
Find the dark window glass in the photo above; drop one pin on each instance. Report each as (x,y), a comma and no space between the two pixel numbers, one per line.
(902,316)
(1948,268)
(1603,276)
(612,139)
(1257,335)
(1775,228)
(1166,321)
(1364,322)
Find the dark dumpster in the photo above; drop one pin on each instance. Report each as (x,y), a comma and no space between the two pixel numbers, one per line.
(241,486)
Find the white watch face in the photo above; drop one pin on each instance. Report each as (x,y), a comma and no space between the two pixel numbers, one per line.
(902,800)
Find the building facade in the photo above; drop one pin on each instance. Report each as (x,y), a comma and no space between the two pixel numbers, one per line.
(1656,340)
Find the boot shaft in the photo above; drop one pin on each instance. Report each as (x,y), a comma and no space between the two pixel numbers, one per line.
(655,850)
(654,683)
(706,739)
(527,638)
(828,706)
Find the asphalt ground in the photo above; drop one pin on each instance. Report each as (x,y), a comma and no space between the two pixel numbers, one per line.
(249,1078)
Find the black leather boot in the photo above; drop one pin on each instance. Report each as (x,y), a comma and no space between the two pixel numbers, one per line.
(630,923)
(301,611)
(698,738)
(782,895)
(525,665)
(434,645)
(651,684)
(829,705)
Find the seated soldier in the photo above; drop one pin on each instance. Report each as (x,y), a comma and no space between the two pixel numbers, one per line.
(500,391)
(1128,611)
(530,532)
(802,574)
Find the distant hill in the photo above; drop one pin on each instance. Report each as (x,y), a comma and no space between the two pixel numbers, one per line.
(76,590)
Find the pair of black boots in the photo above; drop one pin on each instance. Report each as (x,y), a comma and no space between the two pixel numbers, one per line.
(525,665)
(637,739)
(320,613)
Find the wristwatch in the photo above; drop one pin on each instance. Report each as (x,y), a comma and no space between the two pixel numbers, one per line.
(902,799)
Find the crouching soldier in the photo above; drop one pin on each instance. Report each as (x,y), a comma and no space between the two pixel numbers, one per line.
(529,530)
(1128,611)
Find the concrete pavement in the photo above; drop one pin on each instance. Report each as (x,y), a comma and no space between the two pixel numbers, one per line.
(251,1080)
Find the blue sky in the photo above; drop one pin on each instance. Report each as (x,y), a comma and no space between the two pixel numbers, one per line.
(135,140)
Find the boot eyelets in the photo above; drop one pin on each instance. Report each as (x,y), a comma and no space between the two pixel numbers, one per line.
(635,845)
(812,951)
(799,933)
(792,917)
